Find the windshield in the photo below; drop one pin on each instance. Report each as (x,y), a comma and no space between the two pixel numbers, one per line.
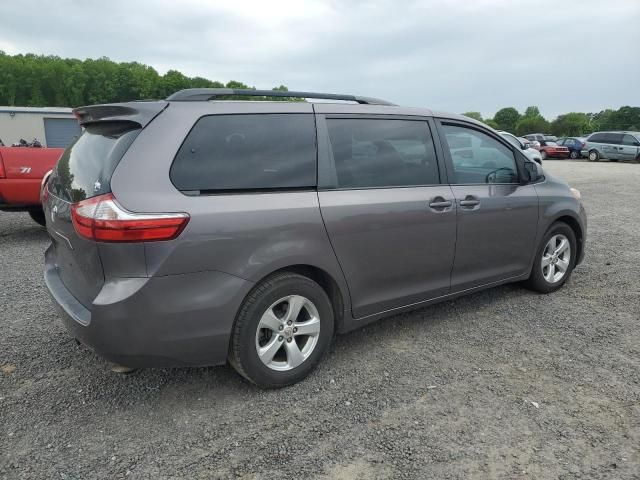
(551,144)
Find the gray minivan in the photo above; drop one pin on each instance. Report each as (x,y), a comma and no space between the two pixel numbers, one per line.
(613,146)
(199,230)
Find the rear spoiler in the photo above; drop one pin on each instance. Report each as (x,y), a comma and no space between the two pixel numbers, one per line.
(137,112)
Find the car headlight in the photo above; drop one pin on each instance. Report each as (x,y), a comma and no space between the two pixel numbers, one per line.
(576,193)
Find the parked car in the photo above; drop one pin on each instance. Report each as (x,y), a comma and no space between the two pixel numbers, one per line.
(193,231)
(549,148)
(574,144)
(533,143)
(613,146)
(524,145)
(538,137)
(22,171)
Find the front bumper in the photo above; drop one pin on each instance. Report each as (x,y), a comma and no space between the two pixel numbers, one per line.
(558,154)
(167,321)
(583,246)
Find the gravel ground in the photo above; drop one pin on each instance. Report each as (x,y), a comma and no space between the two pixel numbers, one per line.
(500,384)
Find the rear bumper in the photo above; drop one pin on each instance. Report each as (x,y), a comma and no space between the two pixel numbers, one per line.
(167,321)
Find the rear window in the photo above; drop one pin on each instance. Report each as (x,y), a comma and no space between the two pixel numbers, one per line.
(86,166)
(247,152)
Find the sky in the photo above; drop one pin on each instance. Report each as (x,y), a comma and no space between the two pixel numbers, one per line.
(451,55)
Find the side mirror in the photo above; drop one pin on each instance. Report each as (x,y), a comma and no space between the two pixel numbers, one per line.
(532,172)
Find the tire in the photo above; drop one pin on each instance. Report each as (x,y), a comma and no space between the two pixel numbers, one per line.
(543,155)
(593,156)
(38,217)
(543,279)
(270,302)
(574,154)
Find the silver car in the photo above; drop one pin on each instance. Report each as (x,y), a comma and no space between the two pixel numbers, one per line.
(612,146)
(531,153)
(196,230)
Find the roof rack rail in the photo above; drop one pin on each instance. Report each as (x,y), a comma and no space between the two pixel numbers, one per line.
(204,94)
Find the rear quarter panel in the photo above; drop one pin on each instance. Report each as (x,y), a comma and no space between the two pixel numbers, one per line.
(248,235)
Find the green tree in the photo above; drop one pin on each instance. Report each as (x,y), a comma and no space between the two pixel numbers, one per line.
(532,111)
(536,124)
(492,123)
(507,118)
(570,124)
(474,115)
(40,80)
(625,118)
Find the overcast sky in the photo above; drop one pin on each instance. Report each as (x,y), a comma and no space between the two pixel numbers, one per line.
(453,55)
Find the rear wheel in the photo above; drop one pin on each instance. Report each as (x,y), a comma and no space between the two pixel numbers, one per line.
(38,216)
(284,327)
(554,259)
(574,154)
(594,156)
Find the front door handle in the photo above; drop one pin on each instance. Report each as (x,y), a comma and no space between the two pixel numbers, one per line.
(441,204)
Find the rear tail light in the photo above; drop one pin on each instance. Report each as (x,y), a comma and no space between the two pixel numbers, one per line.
(102,219)
(2,172)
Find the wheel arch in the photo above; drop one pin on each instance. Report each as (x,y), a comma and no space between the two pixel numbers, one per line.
(577,230)
(338,298)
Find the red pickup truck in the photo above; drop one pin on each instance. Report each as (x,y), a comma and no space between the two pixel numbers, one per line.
(22,171)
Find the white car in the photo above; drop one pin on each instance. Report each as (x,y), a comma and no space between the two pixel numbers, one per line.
(531,153)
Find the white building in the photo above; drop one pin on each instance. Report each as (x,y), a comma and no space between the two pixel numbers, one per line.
(52,126)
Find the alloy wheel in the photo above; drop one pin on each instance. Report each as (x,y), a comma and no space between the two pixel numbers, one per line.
(288,333)
(556,258)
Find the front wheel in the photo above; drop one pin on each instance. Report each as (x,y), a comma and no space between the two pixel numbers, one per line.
(543,155)
(38,217)
(554,259)
(282,330)
(593,156)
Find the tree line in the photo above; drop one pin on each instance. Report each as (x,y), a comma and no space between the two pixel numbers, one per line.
(50,81)
(571,124)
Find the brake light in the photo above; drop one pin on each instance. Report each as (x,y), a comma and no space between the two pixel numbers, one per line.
(2,173)
(102,219)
